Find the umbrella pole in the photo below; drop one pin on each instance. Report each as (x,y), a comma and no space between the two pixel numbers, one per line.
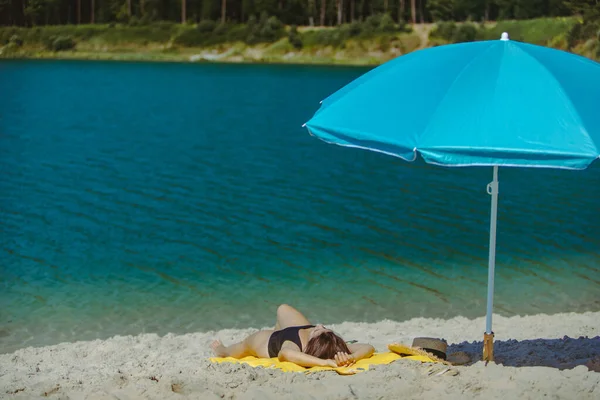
(488,337)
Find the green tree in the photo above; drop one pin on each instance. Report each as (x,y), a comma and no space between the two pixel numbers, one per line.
(312,11)
(300,12)
(33,10)
(441,10)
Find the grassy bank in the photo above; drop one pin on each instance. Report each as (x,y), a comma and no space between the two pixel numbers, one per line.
(374,41)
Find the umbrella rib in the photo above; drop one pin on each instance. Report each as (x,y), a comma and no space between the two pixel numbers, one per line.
(474,164)
(508,149)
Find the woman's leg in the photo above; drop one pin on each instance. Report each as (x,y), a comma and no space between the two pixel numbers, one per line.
(254,345)
(236,350)
(288,316)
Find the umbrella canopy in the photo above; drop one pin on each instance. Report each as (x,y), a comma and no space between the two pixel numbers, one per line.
(490,103)
(495,102)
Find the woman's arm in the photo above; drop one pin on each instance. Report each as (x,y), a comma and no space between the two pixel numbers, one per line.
(303,359)
(360,351)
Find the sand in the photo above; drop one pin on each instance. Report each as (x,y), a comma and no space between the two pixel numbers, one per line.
(537,356)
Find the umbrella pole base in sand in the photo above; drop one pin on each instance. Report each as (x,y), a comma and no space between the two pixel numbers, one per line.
(488,347)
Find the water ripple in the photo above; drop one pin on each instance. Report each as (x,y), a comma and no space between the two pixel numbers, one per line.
(184,205)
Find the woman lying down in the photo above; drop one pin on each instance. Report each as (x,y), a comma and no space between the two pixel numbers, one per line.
(295,340)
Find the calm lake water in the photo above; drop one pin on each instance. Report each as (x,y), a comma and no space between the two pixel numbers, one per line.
(177,198)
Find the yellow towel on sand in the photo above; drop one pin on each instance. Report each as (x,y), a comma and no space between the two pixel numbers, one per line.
(397,352)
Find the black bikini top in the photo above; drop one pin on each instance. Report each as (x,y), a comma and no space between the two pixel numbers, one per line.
(279,337)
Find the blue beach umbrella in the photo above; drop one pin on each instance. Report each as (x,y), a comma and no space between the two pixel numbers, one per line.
(489,103)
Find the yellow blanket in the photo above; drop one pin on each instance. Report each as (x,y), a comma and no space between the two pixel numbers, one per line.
(397,352)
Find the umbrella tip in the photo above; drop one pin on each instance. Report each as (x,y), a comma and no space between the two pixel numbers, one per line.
(504,36)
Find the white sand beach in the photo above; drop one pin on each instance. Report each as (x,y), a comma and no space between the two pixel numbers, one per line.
(540,356)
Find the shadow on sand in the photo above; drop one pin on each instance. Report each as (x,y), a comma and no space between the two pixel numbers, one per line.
(565,353)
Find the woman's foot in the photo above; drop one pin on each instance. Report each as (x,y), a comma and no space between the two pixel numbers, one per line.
(218,348)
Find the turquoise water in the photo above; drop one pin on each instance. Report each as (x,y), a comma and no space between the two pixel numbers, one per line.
(179,198)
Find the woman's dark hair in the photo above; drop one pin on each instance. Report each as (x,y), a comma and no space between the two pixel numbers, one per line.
(326,345)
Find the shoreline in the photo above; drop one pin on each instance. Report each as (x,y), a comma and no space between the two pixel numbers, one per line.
(207,56)
(537,354)
(203,56)
(132,58)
